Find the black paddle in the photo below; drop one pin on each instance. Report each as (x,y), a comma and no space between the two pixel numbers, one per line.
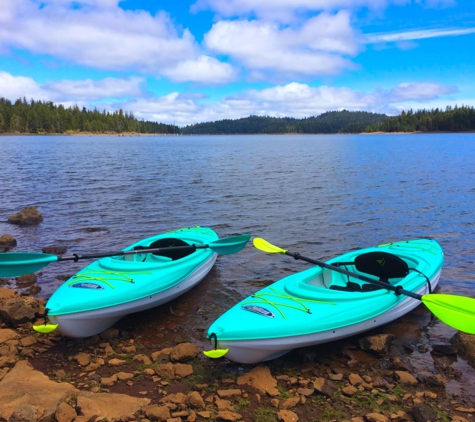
(456,311)
(13,264)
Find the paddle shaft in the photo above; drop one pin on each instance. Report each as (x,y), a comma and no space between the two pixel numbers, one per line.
(76,257)
(397,289)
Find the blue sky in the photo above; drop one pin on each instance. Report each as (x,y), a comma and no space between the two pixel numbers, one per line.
(185,62)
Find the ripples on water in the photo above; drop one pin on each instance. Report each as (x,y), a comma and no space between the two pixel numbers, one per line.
(318,195)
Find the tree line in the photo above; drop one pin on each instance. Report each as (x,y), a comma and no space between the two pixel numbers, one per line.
(331,122)
(37,117)
(452,119)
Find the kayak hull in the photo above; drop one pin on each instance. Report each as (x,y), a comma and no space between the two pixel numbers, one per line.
(301,310)
(108,289)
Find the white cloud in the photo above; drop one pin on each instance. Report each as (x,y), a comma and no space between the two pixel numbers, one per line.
(68,91)
(416,35)
(14,87)
(284,10)
(203,69)
(95,90)
(315,48)
(418,91)
(290,100)
(100,35)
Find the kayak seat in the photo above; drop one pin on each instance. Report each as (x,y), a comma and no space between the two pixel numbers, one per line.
(171,243)
(383,265)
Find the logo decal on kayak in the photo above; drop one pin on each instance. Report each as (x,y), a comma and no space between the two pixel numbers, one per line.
(93,286)
(259,310)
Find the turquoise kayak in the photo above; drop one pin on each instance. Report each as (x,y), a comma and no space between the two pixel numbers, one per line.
(107,289)
(320,305)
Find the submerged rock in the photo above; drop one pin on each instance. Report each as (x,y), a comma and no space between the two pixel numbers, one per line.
(7,242)
(28,216)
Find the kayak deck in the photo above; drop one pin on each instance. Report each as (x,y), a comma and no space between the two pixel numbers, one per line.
(319,305)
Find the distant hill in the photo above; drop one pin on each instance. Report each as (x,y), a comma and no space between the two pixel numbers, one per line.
(331,122)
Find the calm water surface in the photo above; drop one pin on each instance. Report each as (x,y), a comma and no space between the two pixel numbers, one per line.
(317,195)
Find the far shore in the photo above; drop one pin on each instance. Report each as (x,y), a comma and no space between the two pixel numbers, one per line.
(134,134)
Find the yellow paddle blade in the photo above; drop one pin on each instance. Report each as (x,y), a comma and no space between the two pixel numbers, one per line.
(456,311)
(215,353)
(45,328)
(265,246)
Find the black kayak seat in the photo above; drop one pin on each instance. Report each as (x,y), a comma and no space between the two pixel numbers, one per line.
(383,265)
(169,242)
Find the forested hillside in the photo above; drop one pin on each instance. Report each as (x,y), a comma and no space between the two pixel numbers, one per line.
(331,122)
(46,117)
(37,117)
(453,119)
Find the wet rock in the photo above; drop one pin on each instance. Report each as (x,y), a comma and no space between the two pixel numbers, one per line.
(436,381)
(445,349)
(466,346)
(28,216)
(26,280)
(378,344)
(423,413)
(55,250)
(7,242)
(261,379)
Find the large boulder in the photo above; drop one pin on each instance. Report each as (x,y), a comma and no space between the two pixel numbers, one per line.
(28,216)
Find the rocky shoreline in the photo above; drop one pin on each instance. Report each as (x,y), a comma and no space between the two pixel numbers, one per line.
(149,367)
(120,375)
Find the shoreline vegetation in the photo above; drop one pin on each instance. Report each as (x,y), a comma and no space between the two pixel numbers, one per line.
(45,118)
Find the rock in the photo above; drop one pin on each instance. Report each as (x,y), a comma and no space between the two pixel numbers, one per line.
(182,370)
(195,401)
(376,417)
(423,413)
(289,403)
(28,216)
(378,344)
(405,378)
(157,413)
(7,242)
(24,385)
(261,379)
(349,390)
(111,406)
(19,310)
(225,415)
(229,393)
(325,387)
(26,413)
(466,346)
(287,416)
(26,280)
(355,380)
(7,334)
(65,413)
(55,250)
(184,352)
(436,381)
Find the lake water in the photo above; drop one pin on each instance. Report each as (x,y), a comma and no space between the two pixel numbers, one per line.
(318,195)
